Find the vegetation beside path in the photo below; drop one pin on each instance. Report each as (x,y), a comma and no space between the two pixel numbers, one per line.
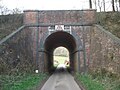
(21,82)
(89,83)
(99,82)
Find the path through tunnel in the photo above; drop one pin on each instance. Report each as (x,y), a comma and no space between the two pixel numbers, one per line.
(55,40)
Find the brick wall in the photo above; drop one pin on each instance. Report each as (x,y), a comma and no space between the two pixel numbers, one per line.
(59,17)
(16,52)
(105,51)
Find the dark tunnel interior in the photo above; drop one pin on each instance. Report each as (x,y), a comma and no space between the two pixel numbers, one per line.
(55,40)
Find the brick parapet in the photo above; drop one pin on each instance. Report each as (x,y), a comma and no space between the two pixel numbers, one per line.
(59,16)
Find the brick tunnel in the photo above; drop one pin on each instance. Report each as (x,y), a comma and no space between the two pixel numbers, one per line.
(83,43)
(55,40)
(43,44)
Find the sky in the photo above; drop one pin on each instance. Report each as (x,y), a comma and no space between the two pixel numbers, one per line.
(47,4)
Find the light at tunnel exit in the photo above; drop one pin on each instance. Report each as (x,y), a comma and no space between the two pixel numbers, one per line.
(61,57)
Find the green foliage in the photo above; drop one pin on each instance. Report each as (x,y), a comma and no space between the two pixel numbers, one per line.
(21,82)
(89,83)
(110,80)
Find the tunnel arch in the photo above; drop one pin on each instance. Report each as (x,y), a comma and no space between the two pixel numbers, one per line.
(61,38)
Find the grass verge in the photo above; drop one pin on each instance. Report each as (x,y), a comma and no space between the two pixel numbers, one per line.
(89,83)
(21,82)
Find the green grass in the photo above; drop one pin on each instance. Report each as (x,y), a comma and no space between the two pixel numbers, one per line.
(89,83)
(22,82)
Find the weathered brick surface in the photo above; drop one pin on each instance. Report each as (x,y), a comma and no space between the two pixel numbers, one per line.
(60,16)
(67,17)
(30,17)
(105,51)
(16,53)
(84,32)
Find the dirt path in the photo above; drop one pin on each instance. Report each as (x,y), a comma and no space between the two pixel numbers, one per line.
(61,80)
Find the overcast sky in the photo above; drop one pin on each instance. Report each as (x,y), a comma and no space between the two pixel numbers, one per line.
(47,4)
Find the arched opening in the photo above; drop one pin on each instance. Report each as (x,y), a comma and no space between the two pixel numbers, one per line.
(61,56)
(57,39)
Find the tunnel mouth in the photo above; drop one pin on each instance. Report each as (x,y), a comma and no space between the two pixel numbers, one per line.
(57,39)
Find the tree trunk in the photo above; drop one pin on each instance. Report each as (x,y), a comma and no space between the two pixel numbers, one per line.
(113,5)
(119,4)
(95,4)
(90,3)
(99,5)
(104,5)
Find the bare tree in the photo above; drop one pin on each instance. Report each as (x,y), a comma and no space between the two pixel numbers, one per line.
(90,3)
(1,10)
(104,5)
(116,5)
(95,3)
(119,4)
(113,5)
(16,11)
(100,5)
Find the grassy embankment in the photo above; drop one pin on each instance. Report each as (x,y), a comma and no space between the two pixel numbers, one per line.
(99,82)
(89,83)
(21,82)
